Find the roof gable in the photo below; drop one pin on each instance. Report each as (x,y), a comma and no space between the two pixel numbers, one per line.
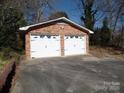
(56,20)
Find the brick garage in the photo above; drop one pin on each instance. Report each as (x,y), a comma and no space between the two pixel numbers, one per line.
(58,37)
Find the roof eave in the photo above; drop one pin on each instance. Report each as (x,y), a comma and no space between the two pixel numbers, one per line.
(62,18)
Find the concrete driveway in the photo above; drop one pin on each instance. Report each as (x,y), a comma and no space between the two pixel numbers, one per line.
(76,74)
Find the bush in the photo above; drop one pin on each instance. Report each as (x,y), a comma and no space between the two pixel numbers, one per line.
(8,53)
(2,63)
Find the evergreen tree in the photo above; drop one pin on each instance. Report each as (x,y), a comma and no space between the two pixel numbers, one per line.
(96,37)
(105,33)
(10,20)
(88,16)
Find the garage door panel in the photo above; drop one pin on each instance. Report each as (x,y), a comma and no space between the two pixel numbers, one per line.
(45,46)
(74,45)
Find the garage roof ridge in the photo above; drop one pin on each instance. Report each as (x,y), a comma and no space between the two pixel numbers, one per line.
(50,21)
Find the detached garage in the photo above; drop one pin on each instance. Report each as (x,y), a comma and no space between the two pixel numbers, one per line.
(58,37)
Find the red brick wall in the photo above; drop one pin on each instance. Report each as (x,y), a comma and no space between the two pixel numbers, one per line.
(55,29)
(27,45)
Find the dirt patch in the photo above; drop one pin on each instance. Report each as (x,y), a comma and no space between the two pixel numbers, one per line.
(6,77)
(7,85)
(4,73)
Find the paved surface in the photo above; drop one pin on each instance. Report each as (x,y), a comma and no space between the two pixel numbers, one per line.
(75,74)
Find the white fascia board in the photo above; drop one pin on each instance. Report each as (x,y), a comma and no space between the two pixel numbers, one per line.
(91,32)
(27,27)
(62,18)
(24,28)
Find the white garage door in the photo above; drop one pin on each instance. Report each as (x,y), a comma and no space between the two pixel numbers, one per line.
(75,45)
(44,46)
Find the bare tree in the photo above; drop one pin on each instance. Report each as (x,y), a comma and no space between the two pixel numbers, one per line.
(119,12)
(114,9)
(32,9)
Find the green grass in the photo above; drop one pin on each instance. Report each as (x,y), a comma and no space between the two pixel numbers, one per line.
(2,63)
(7,55)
